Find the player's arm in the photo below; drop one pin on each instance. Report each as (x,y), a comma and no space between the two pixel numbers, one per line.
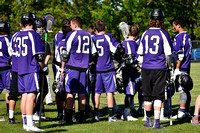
(40,58)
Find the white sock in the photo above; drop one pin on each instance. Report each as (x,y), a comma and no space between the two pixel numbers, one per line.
(11,114)
(24,119)
(156,114)
(29,120)
(162,112)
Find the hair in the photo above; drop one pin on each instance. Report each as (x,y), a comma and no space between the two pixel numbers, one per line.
(156,23)
(78,21)
(3,33)
(28,24)
(134,30)
(179,20)
(90,29)
(65,27)
(99,25)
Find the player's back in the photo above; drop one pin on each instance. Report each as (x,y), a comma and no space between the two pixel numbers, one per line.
(4,47)
(27,43)
(155,45)
(78,43)
(183,45)
(105,44)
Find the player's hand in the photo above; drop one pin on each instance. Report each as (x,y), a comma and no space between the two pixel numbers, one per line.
(62,72)
(176,72)
(137,80)
(45,70)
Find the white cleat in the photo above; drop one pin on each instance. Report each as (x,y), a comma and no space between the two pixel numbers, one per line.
(25,127)
(2,119)
(129,118)
(33,128)
(179,115)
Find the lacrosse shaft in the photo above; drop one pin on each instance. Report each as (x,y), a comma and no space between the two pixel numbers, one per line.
(41,100)
(45,39)
(170,102)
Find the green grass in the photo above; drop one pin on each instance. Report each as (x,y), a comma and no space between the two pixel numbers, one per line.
(51,125)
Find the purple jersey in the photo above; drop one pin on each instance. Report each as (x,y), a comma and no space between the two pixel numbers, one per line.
(61,46)
(79,43)
(154,46)
(58,37)
(4,50)
(105,44)
(26,44)
(182,45)
(130,46)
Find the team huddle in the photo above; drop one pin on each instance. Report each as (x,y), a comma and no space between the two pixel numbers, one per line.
(83,64)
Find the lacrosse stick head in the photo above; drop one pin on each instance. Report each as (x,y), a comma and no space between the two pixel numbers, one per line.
(125,29)
(50,20)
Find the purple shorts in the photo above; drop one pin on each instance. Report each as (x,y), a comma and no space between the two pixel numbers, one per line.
(28,82)
(75,82)
(105,82)
(5,79)
(130,88)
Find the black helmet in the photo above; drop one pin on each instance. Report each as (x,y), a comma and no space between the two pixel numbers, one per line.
(28,18)
(5,27)
(185,81)
(157,14)
(40,23)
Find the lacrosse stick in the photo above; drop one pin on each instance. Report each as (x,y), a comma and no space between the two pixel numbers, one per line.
(125,29)
(49,18)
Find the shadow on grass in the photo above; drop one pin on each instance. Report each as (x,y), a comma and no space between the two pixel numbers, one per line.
(57,130)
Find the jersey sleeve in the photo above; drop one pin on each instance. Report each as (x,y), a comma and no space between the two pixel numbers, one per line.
(36,43)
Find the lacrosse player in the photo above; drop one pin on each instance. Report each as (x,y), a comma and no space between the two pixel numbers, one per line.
(155,51)
(183,46)
(28,49)
(79,46)
(129,72)
(41,29)
(5,66)
(105,72)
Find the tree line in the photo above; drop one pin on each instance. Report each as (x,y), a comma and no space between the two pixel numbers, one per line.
(111,11)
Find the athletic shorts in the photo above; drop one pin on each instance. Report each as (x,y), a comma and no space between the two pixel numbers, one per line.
(129,76)
(28,83)
(5,79)
(105,82)
(75,82)
(153,83)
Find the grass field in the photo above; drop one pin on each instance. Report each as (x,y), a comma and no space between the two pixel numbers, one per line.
(51,125)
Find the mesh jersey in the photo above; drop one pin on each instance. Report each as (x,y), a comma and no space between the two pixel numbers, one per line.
(155,44)
(79,43)
(182,45)
(25,45)
(105,44)
(4,50)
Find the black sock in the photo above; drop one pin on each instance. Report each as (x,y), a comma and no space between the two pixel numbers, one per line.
(111,111)
(149,113)
(59,109)
(82,116)
(96,112)
(68,114)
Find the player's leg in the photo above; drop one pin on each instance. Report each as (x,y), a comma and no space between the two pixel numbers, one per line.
(146,89)
(162,117)
(110,87)
(69,109)
(127,103)
(158,95)
(195,119)
(13,96)
(82,105)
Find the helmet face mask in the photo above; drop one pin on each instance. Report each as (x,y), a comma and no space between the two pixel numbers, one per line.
(40,26)
(5,27)
(157,14)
